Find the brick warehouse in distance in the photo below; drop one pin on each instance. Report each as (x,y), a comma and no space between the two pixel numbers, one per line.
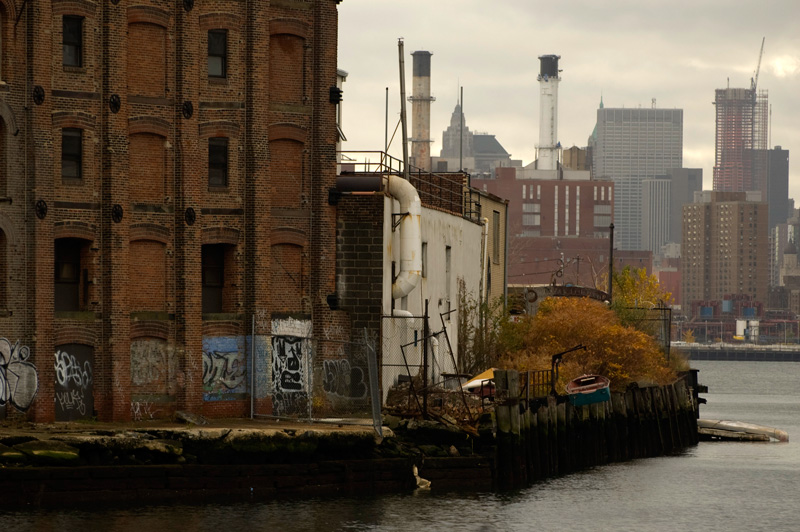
(149,150)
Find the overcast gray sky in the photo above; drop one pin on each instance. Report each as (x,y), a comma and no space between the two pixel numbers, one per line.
(630,51)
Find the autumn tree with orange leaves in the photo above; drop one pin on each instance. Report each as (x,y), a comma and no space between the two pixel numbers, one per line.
(622,353)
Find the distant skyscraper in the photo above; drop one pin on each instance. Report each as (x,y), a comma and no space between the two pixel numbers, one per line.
(629,146)
(655,213)
(780,207)
(684,182)
(477,153)
(740,163)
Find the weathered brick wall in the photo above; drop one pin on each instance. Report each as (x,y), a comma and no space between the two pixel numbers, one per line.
(146,106)
(359,253)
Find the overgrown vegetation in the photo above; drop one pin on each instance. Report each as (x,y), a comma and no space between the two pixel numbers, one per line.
(621,339)
(621,352)
(480,325)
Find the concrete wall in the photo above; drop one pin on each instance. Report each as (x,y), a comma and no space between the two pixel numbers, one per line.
(439,284)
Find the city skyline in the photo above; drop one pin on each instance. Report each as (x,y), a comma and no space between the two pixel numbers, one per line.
(628,56)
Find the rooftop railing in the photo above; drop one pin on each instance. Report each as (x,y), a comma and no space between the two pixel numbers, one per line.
(447,191)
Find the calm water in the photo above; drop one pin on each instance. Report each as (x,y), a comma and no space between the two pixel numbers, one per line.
(714,486)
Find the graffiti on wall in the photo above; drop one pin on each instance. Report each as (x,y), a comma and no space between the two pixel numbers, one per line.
(19,380)
(148,361)
(341,380)
(289,371)
(290,361)
(225,370)
(143,410)
(74,382)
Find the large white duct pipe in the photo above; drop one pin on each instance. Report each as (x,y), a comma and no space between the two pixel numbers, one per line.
(410,236)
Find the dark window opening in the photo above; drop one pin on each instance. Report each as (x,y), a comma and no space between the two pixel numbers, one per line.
(71,153)
(213,273)
(496,237)
(217,53)
(67,275)
(218,162)
(72,29)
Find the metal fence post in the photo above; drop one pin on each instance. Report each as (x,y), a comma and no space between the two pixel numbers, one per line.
(375,393)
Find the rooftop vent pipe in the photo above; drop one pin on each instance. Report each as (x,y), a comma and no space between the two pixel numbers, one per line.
(410,236)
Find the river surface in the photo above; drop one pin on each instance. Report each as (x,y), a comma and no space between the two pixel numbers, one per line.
(713,486)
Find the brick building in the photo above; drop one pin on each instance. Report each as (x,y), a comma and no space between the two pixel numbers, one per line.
(558,224)
(148,152)
(725,252)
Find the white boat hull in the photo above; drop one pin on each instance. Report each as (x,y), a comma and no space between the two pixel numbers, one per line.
(739,426)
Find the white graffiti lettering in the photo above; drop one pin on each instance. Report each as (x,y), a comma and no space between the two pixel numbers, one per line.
(142,410)
(334,332)
(19,379)
(69,372)
(71,400)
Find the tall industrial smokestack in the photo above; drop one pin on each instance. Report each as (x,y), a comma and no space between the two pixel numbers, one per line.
(548,112)
(421,110)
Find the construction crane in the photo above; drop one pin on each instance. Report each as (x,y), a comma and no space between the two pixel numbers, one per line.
(754,79)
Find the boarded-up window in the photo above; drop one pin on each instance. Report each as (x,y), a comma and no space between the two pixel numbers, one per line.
(74,382)
(147,60)
(286,66)
(148,289)
(288,278)
(287,172)
(147,170)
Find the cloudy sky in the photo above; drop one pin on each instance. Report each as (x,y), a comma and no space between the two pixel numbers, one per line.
(628,51)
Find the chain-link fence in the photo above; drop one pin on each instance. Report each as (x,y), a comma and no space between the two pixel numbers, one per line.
(316,379)
(419,370)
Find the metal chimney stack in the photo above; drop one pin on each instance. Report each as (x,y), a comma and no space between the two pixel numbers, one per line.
(548,112)
(421,110)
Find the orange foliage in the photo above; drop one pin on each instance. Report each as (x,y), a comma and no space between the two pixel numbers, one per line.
(621,353)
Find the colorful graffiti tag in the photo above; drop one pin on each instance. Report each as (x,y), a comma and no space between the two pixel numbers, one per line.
(225,367)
